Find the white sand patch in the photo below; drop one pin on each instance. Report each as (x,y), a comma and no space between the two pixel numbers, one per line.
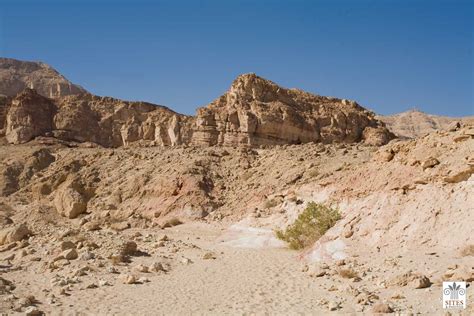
(241,236)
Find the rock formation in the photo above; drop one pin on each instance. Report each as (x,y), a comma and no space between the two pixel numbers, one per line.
(16,75)
(414,123)
(86,118)
(256,111)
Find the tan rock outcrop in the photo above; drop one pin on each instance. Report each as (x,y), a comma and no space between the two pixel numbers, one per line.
(256,111)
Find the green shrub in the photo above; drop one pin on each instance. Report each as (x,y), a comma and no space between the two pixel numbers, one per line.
(310,225)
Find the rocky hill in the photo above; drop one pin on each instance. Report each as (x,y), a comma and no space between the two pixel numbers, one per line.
(254,112)
(414,123)
(16,75)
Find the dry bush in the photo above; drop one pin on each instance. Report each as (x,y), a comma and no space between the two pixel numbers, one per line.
(348,273)
(313,173)
(310,225)
(468,251)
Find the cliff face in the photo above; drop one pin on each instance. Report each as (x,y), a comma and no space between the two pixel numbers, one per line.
(87,118)
(257,112)
(254,112)
(17,75)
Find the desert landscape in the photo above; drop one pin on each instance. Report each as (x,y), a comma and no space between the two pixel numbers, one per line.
(117,207)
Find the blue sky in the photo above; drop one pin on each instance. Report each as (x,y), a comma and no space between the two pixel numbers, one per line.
(389,56)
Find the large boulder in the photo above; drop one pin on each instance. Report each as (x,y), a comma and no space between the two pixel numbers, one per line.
(70,200)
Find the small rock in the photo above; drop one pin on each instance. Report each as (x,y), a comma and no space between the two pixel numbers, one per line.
(209,255)
(186,261)
(143,280)
(420,282)
(163,238)
(91,226)
(129,279)
(33,311)
(120,226)
(70,254)
(156,267)
(104,283)
(65,245)
(141,268)
(333,305)
(316,271)
(382,308)
(112,270)
(430,163)
(129,248)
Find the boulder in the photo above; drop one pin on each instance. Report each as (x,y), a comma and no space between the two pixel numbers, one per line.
(69,202)
(71,198)
(14,233)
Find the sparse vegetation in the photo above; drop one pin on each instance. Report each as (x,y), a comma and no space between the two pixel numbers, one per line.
(310,225)
(348,273)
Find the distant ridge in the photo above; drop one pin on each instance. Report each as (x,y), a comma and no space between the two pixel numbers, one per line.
(16,75)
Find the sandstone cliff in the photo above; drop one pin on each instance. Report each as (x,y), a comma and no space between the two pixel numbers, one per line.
(16,75)
(256,111)
(86,118)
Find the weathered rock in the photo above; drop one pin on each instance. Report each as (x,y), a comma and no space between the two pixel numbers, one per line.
(65,245)
(129,279)
(258,112)
(70,200)
(420,282)
(156,267)
(14,233)
(129,248)
(141,268)
(429,163)
(316,271)
(29,115)
(382,308)
(70,254)
(456,176)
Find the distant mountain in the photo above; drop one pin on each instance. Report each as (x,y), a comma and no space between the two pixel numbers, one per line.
(16,75)
(414,123)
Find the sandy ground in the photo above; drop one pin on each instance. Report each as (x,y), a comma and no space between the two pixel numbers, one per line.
(239,281)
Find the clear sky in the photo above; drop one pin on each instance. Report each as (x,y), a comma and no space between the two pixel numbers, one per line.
(389,56)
